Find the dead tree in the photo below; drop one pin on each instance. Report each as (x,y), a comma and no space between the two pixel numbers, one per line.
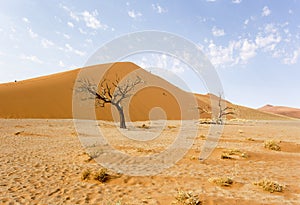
(111,92)
(223,111)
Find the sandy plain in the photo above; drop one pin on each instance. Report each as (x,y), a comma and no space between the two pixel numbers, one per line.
(42,162)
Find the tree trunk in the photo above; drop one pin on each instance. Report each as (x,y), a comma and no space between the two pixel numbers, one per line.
(122,117)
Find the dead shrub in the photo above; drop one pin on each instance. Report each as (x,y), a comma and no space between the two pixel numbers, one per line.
(269,185)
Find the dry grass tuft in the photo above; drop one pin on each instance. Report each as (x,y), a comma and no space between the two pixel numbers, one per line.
(85,174)
(221,181)
(272,145)
(102,175)
(144,126)
(233,154)
(270,186)
(187,198)
(171,126)
(92,155)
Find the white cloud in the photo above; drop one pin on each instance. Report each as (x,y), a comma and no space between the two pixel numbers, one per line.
(61,64)
(211,0)
(91,21)
(89,18)
(217,32)
(247,51)
(31,58)
(134,14)
(32,34)
(70,24)
(82,31)
(221,56)
(25,20)
(246,21)
(290,11)
(46,43)
(235,52)
(71,49)
(67,36)
(159,9)
(71,13)
(266,11)
(88,40)
(267,42)
(236,1)
(292,59)
(270,28)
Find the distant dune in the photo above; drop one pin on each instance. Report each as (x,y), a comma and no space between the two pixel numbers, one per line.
(51,97)
(281,110)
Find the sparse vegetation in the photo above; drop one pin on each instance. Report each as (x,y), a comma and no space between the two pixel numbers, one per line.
(85,174)
(93,155)
(272,145)
(119,202)
(187,198)
(269,185)
(233,154)
(102,175)
(144,126)
(19,132)
(171,126)
(193,157)
(221,181)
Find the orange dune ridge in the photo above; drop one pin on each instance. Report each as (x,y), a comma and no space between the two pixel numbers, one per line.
(50,97)
(281,110)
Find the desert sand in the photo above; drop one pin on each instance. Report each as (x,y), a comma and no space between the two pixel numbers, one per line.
(43,160)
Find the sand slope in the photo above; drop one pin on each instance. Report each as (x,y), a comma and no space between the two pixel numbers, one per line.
(281,110)
(51,97)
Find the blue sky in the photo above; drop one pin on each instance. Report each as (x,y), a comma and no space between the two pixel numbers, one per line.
(254,45)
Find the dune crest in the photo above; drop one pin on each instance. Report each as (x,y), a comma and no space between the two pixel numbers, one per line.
(50,97)
(281,110)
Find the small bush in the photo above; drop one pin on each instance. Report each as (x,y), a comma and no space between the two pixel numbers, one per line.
(171,126)
(269,185)
(144,126)
(85,174)
(92,155)
(229,154)
(221,181)
(272,145)
(187,198)
(102,175)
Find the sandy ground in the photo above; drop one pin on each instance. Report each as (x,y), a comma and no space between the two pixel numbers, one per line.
(42,163)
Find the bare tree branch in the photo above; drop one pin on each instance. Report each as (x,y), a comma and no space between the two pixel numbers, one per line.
(110,92)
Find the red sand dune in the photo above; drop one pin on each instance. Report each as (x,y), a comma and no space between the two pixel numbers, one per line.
(281,110)
(51,97)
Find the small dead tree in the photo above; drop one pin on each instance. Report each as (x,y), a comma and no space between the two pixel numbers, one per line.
(110,92)
(223,111)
